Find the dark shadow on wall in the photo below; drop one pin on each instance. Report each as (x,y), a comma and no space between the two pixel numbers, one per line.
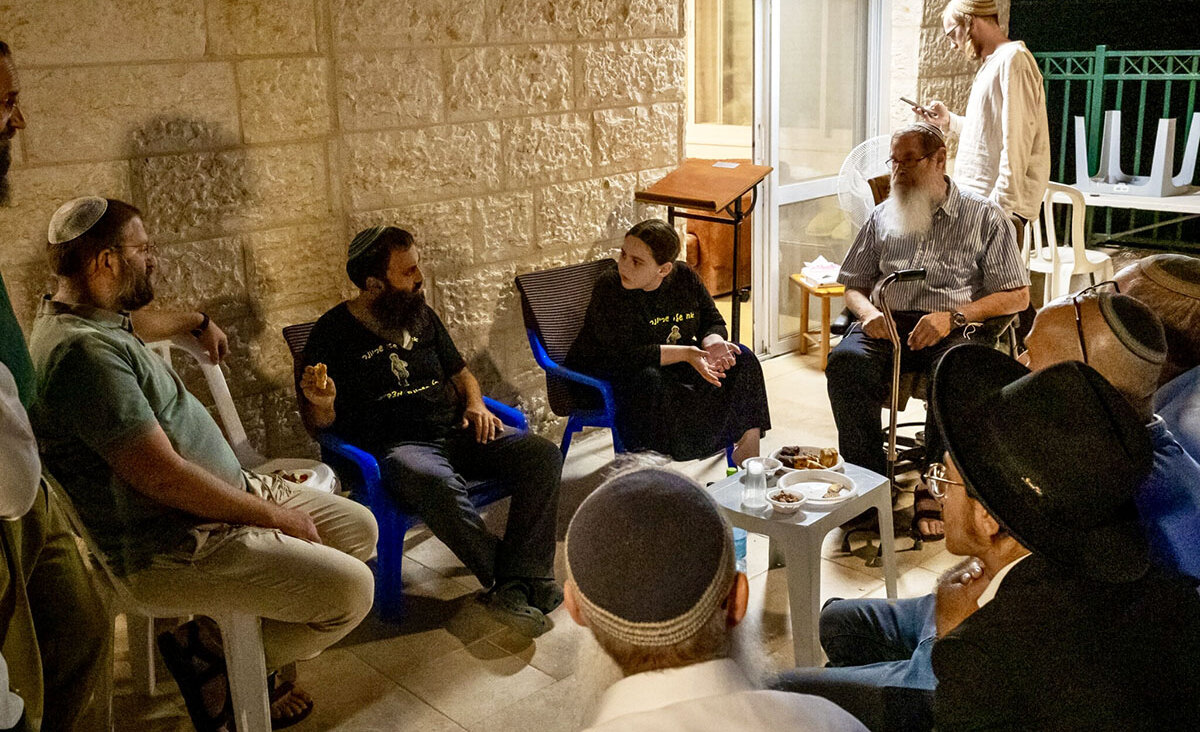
(193,192)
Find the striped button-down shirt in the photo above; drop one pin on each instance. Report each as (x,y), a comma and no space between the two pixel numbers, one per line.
(970,251)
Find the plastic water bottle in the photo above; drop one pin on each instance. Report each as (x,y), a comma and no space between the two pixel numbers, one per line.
(739,549)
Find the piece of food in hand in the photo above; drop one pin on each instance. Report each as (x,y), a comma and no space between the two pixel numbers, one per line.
(322,373)
(833,490)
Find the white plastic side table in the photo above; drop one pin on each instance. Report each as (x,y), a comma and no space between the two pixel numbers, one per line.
(797,539)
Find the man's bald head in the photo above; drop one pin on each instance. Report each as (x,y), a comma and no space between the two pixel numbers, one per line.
(1115,334)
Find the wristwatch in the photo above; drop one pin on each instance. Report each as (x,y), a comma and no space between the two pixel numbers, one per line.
(958,320)
(199,330)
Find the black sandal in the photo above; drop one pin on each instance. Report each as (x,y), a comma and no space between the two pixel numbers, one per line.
(194,666)
(925,507)
(279,690)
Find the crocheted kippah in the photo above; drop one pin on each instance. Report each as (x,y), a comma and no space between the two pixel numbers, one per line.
(363,241)
(651,557)
(976,7)
(73,218)
(1175,272)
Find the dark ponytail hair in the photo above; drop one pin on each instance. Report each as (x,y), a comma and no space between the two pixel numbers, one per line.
(660,237)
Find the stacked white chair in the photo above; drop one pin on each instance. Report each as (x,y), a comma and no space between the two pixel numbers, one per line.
(1060,262)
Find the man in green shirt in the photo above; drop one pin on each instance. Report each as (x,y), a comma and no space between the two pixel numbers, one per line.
(156,483)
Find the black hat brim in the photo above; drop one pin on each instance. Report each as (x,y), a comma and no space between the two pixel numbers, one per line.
(1016,438)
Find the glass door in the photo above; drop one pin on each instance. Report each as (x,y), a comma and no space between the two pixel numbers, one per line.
(820,95)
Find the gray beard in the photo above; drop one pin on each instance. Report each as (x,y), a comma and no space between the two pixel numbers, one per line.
(909,211)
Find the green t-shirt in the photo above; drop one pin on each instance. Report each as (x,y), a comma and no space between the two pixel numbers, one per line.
(98,386)
(13,352)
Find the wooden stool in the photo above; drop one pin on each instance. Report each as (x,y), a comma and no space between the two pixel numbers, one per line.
(824,292)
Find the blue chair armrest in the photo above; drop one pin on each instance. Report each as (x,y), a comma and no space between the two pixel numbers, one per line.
(363,461)
(510,416)
(548,364)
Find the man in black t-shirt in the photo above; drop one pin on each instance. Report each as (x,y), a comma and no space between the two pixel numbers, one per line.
(404,393)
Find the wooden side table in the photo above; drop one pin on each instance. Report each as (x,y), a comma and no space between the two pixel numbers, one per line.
(824,292)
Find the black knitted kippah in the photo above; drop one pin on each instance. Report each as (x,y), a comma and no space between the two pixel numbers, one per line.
(649,550)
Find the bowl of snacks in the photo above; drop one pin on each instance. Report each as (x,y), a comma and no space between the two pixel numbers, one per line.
(807,457)
(784,501)
(819,487)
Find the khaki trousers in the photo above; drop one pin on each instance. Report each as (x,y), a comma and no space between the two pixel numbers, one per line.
(308,595)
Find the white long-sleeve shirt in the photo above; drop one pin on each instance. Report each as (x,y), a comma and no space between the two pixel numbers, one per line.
(1004,137)
(20,465)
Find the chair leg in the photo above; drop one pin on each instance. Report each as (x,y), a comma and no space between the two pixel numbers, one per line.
(572,427)
(389,580)
(241,635)
(139,629)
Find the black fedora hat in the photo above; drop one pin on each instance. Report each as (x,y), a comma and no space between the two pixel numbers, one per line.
(1055,455)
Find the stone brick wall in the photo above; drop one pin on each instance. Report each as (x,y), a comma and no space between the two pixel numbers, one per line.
(259,135)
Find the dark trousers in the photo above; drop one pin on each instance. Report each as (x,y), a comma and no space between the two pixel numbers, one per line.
(879,661)
(430,478)
(859,379)
(673,410)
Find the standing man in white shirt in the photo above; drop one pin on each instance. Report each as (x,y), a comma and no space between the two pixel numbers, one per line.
(1003,139)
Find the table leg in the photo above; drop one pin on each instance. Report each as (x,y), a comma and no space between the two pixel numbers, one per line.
(803,320)
(824,331)
(804,596)
(887,539)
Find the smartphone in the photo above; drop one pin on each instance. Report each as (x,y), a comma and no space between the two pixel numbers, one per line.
(911,103)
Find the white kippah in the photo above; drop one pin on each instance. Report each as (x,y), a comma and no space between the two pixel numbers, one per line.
(73,218)
(976,7)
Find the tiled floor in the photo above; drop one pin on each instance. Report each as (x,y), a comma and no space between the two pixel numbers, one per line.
(449,666)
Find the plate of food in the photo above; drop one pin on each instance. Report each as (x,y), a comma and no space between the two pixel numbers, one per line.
(807,457)
(819,487)
(295,476)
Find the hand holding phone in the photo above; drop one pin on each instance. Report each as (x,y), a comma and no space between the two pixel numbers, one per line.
(920,110)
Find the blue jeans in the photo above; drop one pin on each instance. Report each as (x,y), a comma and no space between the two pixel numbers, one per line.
(875,647)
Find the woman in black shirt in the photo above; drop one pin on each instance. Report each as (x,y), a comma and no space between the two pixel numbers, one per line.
(653,331)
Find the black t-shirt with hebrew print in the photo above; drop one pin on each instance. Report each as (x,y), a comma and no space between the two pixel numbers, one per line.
(388,393)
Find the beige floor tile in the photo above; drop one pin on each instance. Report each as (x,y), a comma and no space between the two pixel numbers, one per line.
(349,695)
(915,582)
(472,683)
(555,652)
(555,708)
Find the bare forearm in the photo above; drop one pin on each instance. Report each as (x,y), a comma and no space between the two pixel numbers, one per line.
(674,354)
(1006,302)
(317,416)
(859,302)
(468,387)
(156,325)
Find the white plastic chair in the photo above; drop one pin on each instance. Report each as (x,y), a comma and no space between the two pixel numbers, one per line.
(241,636)
(322,478)
(1060,263)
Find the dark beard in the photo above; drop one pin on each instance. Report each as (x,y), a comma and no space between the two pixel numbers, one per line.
(397,309)
(5,162)
(136,291)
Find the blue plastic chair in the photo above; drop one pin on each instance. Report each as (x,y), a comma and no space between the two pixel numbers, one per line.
(553,305)
(359,470)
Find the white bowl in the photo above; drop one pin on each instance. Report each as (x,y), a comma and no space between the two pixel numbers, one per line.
(813,484)
(784,507)
(839,466)
(770,465)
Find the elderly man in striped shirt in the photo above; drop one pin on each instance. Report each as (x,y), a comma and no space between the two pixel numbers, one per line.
(968,248)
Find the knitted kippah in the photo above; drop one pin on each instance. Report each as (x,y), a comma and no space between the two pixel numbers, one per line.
(363,241)
(1135,325)
(1176,272)
(651,557)
(976,7)
(932,129)
(73,218)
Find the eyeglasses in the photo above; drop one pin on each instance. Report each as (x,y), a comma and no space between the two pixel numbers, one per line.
(893,163)
(1079,311)
(936,480)
(152,250)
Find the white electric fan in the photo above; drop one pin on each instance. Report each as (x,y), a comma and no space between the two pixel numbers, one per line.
(867,160)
